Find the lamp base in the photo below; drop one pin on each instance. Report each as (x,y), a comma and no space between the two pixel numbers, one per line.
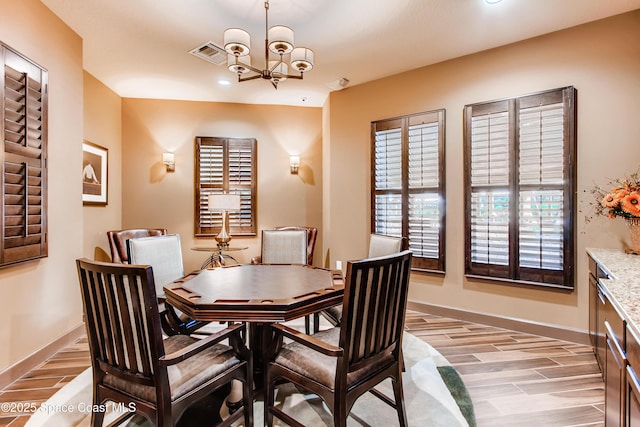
(223,238)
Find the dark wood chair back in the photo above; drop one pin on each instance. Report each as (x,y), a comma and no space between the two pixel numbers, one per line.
(367,347)
(374,306)
(118,241)
(128,351)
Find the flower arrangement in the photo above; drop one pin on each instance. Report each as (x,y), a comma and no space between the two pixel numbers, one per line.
(622,199)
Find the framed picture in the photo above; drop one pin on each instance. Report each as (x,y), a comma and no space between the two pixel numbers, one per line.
(94,174)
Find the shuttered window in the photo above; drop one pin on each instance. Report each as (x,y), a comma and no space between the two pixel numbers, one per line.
(520,184)
(24,173)
(226,165)
(408,184)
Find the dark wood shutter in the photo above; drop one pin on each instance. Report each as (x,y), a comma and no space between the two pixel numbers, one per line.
(24,162)
(520,185)
(226,165)
(408,191)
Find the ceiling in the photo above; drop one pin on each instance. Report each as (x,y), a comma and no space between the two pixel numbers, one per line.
(139,48)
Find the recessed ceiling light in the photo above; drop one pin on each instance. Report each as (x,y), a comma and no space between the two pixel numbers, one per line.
(492,1)
(224,82)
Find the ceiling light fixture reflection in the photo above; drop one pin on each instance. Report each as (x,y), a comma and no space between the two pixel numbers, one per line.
(278,40)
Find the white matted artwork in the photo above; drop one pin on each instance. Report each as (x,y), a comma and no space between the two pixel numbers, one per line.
(94,174)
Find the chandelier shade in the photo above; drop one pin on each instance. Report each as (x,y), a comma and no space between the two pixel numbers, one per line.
(302,59)
(237,42)
(279,40)
(239,64)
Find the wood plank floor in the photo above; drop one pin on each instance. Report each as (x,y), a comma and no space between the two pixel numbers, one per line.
(514,379)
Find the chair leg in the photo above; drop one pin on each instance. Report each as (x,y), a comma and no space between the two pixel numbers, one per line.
(399,395)
(268,400)
(248,403)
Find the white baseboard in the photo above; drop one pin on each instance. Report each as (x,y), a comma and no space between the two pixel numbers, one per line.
(30,362)
(545,330)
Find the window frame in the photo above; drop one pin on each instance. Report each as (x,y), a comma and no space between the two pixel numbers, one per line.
(242,223)
(513,272)
(419,263)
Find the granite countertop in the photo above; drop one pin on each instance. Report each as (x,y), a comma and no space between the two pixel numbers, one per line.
(623,285)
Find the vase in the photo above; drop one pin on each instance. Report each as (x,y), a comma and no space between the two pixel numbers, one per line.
(634,230)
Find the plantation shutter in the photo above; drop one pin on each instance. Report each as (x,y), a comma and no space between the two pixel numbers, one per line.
(24,176)
(520,183)
(225,165)
(407,184)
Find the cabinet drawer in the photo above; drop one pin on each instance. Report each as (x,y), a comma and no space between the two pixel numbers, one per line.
(633,349)
(611,318)
(596,270)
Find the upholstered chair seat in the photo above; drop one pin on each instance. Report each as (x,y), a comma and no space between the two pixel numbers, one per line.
(186,375)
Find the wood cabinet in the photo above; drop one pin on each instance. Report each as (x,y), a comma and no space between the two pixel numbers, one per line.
(617,350)
(615,363)
(632,383)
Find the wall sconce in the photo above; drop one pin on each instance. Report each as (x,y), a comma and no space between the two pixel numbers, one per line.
(169,161)
(294,164)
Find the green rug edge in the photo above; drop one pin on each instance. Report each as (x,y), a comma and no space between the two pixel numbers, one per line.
(459,392)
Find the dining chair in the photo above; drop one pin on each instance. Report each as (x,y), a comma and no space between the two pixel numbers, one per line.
(312,234)
(287,245)
(342,363)
(164,254)
(118,240)
(131,362)
(284,247)
(379,245)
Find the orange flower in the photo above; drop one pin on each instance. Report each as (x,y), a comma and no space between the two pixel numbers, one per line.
(631,203)
(611,200)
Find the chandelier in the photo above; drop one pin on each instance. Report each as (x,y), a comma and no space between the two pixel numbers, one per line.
(279,40)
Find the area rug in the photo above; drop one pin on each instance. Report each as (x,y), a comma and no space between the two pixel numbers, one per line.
(434,396)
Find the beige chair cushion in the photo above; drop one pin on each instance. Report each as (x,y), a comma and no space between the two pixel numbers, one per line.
(163,254)
(380,245)
(284,246)
(186,375)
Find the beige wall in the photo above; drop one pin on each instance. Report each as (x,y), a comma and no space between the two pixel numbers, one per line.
(154,198)
(40,299)
(601,59)
(102,126)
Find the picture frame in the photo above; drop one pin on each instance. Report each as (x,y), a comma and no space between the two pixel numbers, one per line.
(94,174)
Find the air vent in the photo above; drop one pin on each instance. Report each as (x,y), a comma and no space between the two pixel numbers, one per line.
(210,52)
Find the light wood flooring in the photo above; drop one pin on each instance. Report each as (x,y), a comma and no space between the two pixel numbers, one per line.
(514,379)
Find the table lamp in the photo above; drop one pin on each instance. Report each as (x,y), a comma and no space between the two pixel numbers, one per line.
(223,203)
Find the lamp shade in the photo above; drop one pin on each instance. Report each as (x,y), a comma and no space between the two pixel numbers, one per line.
(223,202)
(238,64)
(237,41)
(302,59)
(280,39)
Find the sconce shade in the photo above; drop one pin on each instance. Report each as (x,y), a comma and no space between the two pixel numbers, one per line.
(169,160)
(223,202)
(294,164)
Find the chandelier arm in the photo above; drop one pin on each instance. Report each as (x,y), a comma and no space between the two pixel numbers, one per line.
(275,65)
(245,79)
(289,76)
